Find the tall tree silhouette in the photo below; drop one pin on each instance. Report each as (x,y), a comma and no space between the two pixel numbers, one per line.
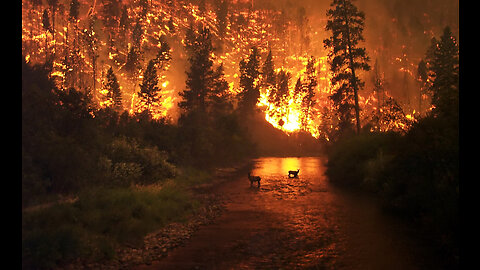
(378,85)
(249,75)
(268,71)
(149,91)
(443,65)
(53,5)
(48,28)
(200,75)
(346,58)
(73,16)
(279,95)
(308,101)
(422,77)
(219,97)
(113,88)
(221,12)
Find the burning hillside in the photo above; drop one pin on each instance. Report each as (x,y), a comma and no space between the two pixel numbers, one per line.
(81,40)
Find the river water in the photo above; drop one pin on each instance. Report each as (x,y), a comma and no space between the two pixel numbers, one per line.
(298,223)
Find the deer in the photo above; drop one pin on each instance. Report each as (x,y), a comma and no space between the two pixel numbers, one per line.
(293,174)
(253,178)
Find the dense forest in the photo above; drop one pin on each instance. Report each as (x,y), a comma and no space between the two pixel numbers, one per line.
(122,94)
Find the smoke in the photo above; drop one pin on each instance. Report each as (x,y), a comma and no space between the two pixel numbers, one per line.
(397,34)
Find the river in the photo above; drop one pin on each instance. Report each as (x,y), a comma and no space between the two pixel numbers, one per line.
(298,223)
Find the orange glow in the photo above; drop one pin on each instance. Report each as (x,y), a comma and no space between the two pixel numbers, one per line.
(256,29)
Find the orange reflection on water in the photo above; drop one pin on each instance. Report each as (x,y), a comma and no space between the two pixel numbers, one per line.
(279,167)
(274,174)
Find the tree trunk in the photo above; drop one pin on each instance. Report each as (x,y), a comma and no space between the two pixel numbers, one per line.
(354,78)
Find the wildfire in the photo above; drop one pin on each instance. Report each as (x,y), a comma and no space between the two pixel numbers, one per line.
(81,50)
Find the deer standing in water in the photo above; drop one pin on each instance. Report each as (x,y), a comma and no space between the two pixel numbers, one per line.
(253,178)
(293,174)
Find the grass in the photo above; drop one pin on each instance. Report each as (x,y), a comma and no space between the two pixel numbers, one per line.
(99,221)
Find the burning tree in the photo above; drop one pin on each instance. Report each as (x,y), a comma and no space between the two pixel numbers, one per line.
(391,117)
(346,23)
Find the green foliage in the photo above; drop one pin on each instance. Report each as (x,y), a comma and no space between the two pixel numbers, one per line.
(100,220)
(132,164)
(350,159)
(416,175)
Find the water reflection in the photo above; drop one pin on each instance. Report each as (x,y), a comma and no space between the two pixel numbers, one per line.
(308,236)
(275,180)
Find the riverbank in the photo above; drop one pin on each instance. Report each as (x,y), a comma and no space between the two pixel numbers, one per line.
(120,228)
(415,176)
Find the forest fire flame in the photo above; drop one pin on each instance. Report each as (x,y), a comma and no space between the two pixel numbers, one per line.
(82,49)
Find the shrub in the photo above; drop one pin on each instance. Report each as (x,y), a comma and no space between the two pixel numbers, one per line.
(132,163)
(348,158)
(100,220)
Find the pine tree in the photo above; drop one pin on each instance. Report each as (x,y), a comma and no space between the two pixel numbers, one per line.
(422,77)
(74,10)
(53,5)
(124,20)
(124,26)
(219,98)
(268,71)
(132,65)
(92,41)
(164,55)
(113,88)
(137,34)
(378,86)
(280,94)
(149,91)
(443,66)
(346,58)
(190,39)
(200,74)
(308,100)
(73,18)
(249,75)
(48,28)
(221,12)
(301,20)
